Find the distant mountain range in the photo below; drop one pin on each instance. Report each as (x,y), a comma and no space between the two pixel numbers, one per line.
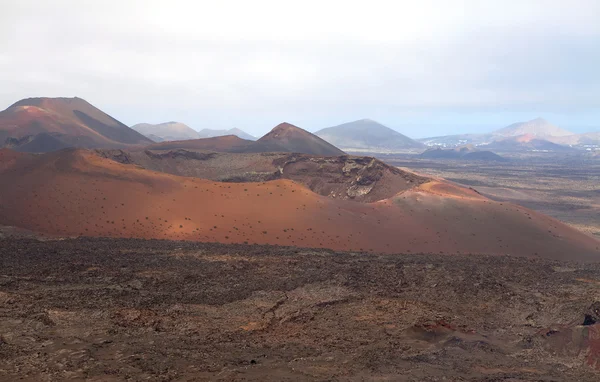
(48,124)
(284,137)
(366,135)
(177,131)
(535,135)
(41,125)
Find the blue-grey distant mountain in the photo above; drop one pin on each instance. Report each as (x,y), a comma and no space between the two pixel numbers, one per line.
(366,135)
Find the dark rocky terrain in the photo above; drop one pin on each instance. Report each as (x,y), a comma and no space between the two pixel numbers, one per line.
(117,309)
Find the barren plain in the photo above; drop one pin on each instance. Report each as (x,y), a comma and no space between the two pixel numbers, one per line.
(565,188)
(132,309)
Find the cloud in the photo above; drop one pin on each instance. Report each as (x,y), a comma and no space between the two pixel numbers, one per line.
(251,64)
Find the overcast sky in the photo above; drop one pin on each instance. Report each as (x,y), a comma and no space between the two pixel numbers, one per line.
(421,67)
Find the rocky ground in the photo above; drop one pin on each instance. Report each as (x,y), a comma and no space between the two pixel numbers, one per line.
(125,309)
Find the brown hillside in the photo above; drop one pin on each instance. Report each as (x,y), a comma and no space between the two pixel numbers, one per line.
(76,192)
(297,140)
(63,122)
(361,179)
(224,144)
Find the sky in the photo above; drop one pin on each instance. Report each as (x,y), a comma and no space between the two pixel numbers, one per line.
(422,67)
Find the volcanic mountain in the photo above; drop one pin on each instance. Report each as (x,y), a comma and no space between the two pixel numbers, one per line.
(168,131)
(538,127)
(294,139)
(526,142)
(77,192)
(366,135)
(468,152)
(58,122)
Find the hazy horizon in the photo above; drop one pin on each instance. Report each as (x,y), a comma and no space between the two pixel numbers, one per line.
(427,69)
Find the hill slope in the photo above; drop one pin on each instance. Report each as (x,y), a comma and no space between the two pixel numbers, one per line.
(168,131)
(367,135)
(69,121)
(76,192)
(361,179)
(294,139)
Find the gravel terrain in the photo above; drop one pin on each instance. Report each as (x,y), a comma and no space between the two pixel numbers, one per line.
(131,309)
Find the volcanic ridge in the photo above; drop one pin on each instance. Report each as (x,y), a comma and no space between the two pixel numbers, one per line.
(81,193)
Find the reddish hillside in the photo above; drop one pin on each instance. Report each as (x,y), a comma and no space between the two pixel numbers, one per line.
(53,123)
(297,140)
(76,192)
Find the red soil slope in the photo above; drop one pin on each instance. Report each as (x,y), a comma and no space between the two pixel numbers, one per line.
(74,119)
(75,192)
